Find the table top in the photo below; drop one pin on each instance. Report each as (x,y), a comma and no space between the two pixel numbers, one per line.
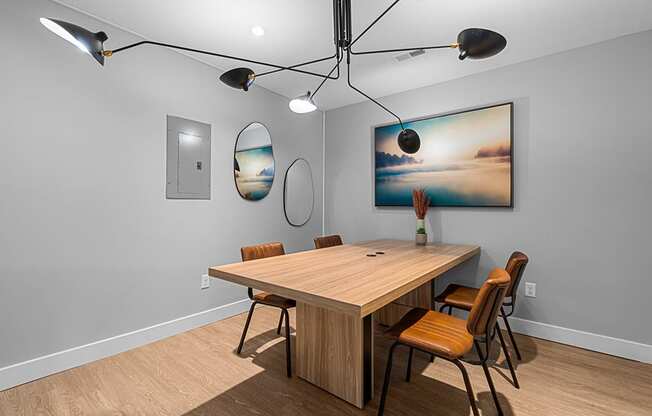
(344,278)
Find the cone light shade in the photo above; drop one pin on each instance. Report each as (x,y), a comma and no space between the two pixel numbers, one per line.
(477,43)
(302,104)
(87,41)
(239,78)
(409,141)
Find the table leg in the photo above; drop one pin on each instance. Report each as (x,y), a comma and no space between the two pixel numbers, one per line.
(335,352)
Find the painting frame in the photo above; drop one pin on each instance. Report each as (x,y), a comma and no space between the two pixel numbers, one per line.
(509,205)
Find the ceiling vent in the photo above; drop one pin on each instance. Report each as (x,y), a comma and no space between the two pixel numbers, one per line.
(410,55)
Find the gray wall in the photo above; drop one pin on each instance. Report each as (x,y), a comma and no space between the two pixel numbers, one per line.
(89,247)
(583,146)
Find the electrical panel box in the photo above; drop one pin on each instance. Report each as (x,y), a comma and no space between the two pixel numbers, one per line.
(188,159)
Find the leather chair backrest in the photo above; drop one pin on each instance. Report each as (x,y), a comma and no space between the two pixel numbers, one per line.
(482,317)
(328,241)
(260,251)
(515,267)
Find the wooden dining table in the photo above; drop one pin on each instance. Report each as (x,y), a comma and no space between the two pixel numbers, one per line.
(339,290)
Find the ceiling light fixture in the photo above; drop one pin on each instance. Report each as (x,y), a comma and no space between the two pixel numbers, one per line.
(257,31)
(303,104)
(472,43)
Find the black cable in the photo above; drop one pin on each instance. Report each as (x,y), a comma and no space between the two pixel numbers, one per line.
(348,76)
(296,66)
(166,45)
(325,79)
(373,23)
(405,49)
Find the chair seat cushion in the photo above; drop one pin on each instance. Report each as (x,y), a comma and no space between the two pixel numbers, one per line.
(434,332)
(461,297)
(274,300)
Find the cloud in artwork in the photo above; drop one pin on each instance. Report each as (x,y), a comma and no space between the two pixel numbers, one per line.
(384,160)
(493,151)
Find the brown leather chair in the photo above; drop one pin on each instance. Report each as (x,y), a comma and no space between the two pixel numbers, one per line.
(259,252)
(462,297)
(328,241)
(451,338)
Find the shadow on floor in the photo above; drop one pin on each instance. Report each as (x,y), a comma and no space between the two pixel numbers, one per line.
(270,392)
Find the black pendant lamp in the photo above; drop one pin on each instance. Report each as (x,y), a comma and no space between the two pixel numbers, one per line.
(477,43)
(473,43)
(409,141)
(239,78)
(89,42)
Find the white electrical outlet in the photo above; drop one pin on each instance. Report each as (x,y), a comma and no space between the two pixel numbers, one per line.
(531,290)
(205,281)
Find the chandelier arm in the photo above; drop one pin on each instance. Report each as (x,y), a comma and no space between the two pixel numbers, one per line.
(273,71)
(374,22)
(451,46)
(183,48)
(348,73)
(337,66)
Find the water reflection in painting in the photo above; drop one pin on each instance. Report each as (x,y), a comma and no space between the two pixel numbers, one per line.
(254,162)
(465,159)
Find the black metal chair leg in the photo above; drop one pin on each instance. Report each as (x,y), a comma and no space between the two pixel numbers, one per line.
(450,310)
(288,352)
(388,371)
(469,388)
(442,307)
(409,366)
(511,335)
(280,323)
(507,357)
(432,358)
(483,359)
(246,327)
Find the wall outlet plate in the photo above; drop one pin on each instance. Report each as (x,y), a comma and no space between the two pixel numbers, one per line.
(530,290)
(205,281)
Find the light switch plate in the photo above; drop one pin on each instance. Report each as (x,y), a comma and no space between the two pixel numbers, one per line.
(205,281)
(530,290)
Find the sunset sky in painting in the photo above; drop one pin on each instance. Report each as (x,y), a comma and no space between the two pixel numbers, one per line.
(452,138)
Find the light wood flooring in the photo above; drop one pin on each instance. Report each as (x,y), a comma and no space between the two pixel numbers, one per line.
(198,373)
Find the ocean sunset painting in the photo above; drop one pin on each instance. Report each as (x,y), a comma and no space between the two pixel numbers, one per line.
(254,172)
(465,160)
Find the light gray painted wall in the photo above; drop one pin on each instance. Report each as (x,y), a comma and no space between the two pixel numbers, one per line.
(89,246)
(583,175)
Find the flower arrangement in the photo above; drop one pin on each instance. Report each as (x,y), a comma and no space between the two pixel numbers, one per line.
(420,202)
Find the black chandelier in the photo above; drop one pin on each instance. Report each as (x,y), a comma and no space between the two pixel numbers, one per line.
(473,43)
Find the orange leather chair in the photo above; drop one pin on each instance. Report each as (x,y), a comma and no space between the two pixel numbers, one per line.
(328,241)
(462,297)
(451,338)
(259,252)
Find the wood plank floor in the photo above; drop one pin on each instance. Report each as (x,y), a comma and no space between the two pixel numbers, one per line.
(198,373)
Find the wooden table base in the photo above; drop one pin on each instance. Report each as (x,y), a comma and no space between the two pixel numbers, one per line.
(335,352)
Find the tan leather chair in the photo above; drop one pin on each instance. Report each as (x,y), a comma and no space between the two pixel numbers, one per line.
(259,252)
(328,241)
(462,297)
(451,338)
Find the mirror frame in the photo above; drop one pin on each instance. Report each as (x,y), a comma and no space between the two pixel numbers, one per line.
(235,148)
(285,182)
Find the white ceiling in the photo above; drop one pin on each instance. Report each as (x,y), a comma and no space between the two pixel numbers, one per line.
(301,30)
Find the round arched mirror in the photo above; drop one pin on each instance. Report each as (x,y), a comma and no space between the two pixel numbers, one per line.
(253,162)
(298,193)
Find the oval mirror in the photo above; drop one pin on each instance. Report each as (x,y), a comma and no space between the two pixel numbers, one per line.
(253,162)
(298,193)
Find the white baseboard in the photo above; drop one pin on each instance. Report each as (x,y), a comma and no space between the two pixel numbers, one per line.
(36,368)
(587,340)
(26,371)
